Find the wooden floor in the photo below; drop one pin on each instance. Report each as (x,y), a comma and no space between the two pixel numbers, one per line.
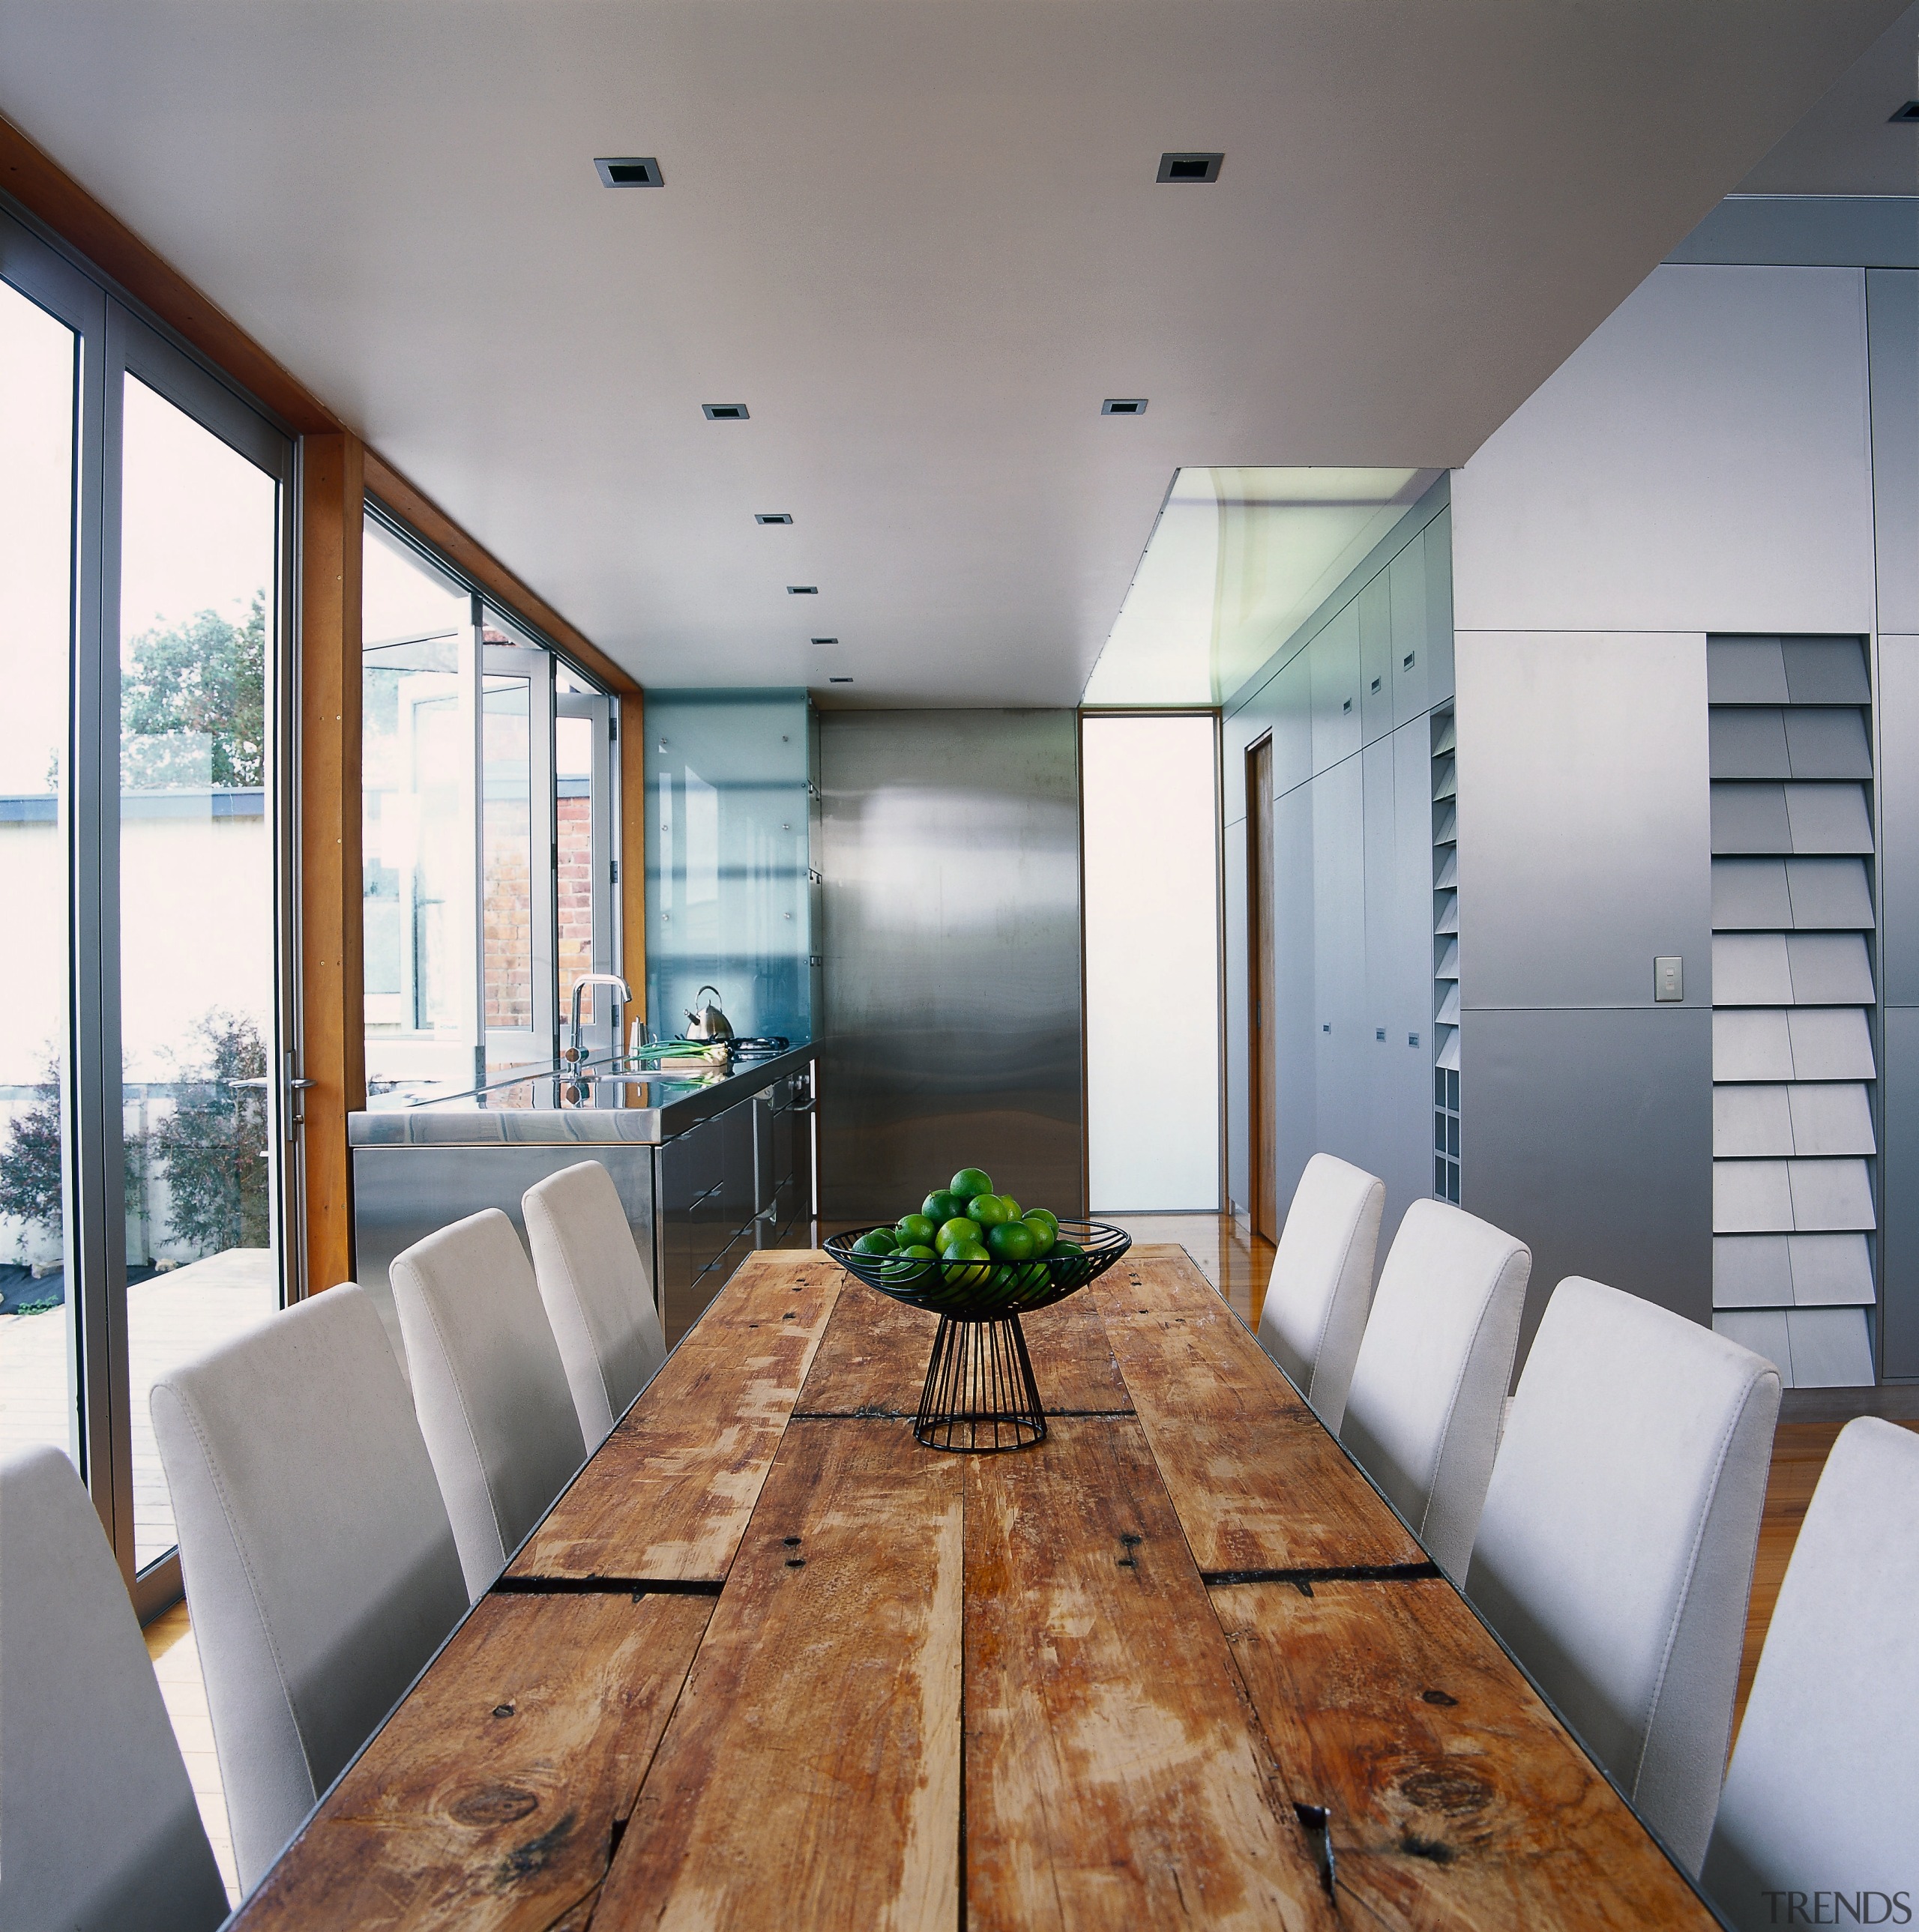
(1236,1263)
(170,1643)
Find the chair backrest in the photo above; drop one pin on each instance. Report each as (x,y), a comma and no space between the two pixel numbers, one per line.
(488,1384)
(320,1565)
(1423,1412)
(1321,1285)
(98,1826)
(594,1284)
(1822,1796)
(1615,1551)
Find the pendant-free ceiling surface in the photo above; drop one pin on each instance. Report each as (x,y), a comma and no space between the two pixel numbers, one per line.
(923,241)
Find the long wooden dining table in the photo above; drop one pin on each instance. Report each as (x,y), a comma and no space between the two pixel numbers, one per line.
(768,1662)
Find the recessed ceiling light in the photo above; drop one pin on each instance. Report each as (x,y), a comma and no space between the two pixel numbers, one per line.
(839,680)
(724,412)
(803,590)
(826,640)
(1189,167)
(1910,111)
(771,517)
(1123,405)
(630,171)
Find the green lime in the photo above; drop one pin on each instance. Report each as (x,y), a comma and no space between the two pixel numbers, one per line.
(970,1181)
(918,1252)
(957,1229)
(1067,1248)
(1045,1214)
(988,1209)
(1014,1211)
(1011,1241)
(915,1230)
(967,1251)
(1046,1229)
(941,1206)
(880,1241)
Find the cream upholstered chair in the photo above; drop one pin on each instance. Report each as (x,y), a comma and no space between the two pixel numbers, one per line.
(98,1827)
(594,1284)
(1322,1282)
(1614,1554)
(1422,1415)
(1821,1796)
(488,1385)
(320,1565)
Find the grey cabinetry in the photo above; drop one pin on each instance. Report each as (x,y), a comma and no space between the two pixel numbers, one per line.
(1339,957)
(1296,1135)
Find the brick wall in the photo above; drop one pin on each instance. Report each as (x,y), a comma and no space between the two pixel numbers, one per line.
(575,817)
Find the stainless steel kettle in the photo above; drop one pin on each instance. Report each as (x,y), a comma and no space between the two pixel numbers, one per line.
(706,1021)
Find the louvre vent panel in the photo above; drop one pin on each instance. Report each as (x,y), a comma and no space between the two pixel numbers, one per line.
(1446,960)
(1795,1166)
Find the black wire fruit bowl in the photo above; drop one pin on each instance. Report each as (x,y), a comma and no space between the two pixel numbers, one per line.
(979,1394)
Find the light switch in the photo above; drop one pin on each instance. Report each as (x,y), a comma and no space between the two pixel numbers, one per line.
(1668,979)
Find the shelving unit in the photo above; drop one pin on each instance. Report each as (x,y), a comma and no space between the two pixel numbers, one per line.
(1446,959)
(1794,1152)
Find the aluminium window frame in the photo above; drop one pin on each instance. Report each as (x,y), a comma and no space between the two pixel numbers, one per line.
(116,337)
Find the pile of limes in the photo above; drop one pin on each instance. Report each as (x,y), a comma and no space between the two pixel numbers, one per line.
(966,1222)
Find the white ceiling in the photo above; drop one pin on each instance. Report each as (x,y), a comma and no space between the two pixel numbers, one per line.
(1846,145)
(921,239)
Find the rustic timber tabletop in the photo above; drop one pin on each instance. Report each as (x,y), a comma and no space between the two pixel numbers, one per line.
(767,1662)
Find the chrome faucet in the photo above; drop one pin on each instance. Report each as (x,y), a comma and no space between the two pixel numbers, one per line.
(576,1051)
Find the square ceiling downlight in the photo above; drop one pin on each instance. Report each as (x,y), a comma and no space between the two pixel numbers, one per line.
(1123,405)
(724,412)
(629,171)
(1189,167)
(771,517)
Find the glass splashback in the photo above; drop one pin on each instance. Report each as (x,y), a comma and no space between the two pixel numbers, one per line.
(730,803)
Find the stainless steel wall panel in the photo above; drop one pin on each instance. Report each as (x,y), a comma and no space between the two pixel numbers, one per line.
(1899,1256)
(1701,462)
(1892,322)
(1334,655)
(1238,1045)
(1295,1049)
(1584,831)
(1898,716)
(1588,1135)
(952,978)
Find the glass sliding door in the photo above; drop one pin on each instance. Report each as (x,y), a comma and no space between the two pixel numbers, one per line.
(146,1062)
(199,570)
(39,1372)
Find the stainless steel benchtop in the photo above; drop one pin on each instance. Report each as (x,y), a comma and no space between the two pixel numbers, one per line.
(533,1110)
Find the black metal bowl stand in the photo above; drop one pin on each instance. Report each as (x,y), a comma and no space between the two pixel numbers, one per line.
(979,1394)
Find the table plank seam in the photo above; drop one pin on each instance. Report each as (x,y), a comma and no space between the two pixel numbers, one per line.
(1302,1578)
(636,1587)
